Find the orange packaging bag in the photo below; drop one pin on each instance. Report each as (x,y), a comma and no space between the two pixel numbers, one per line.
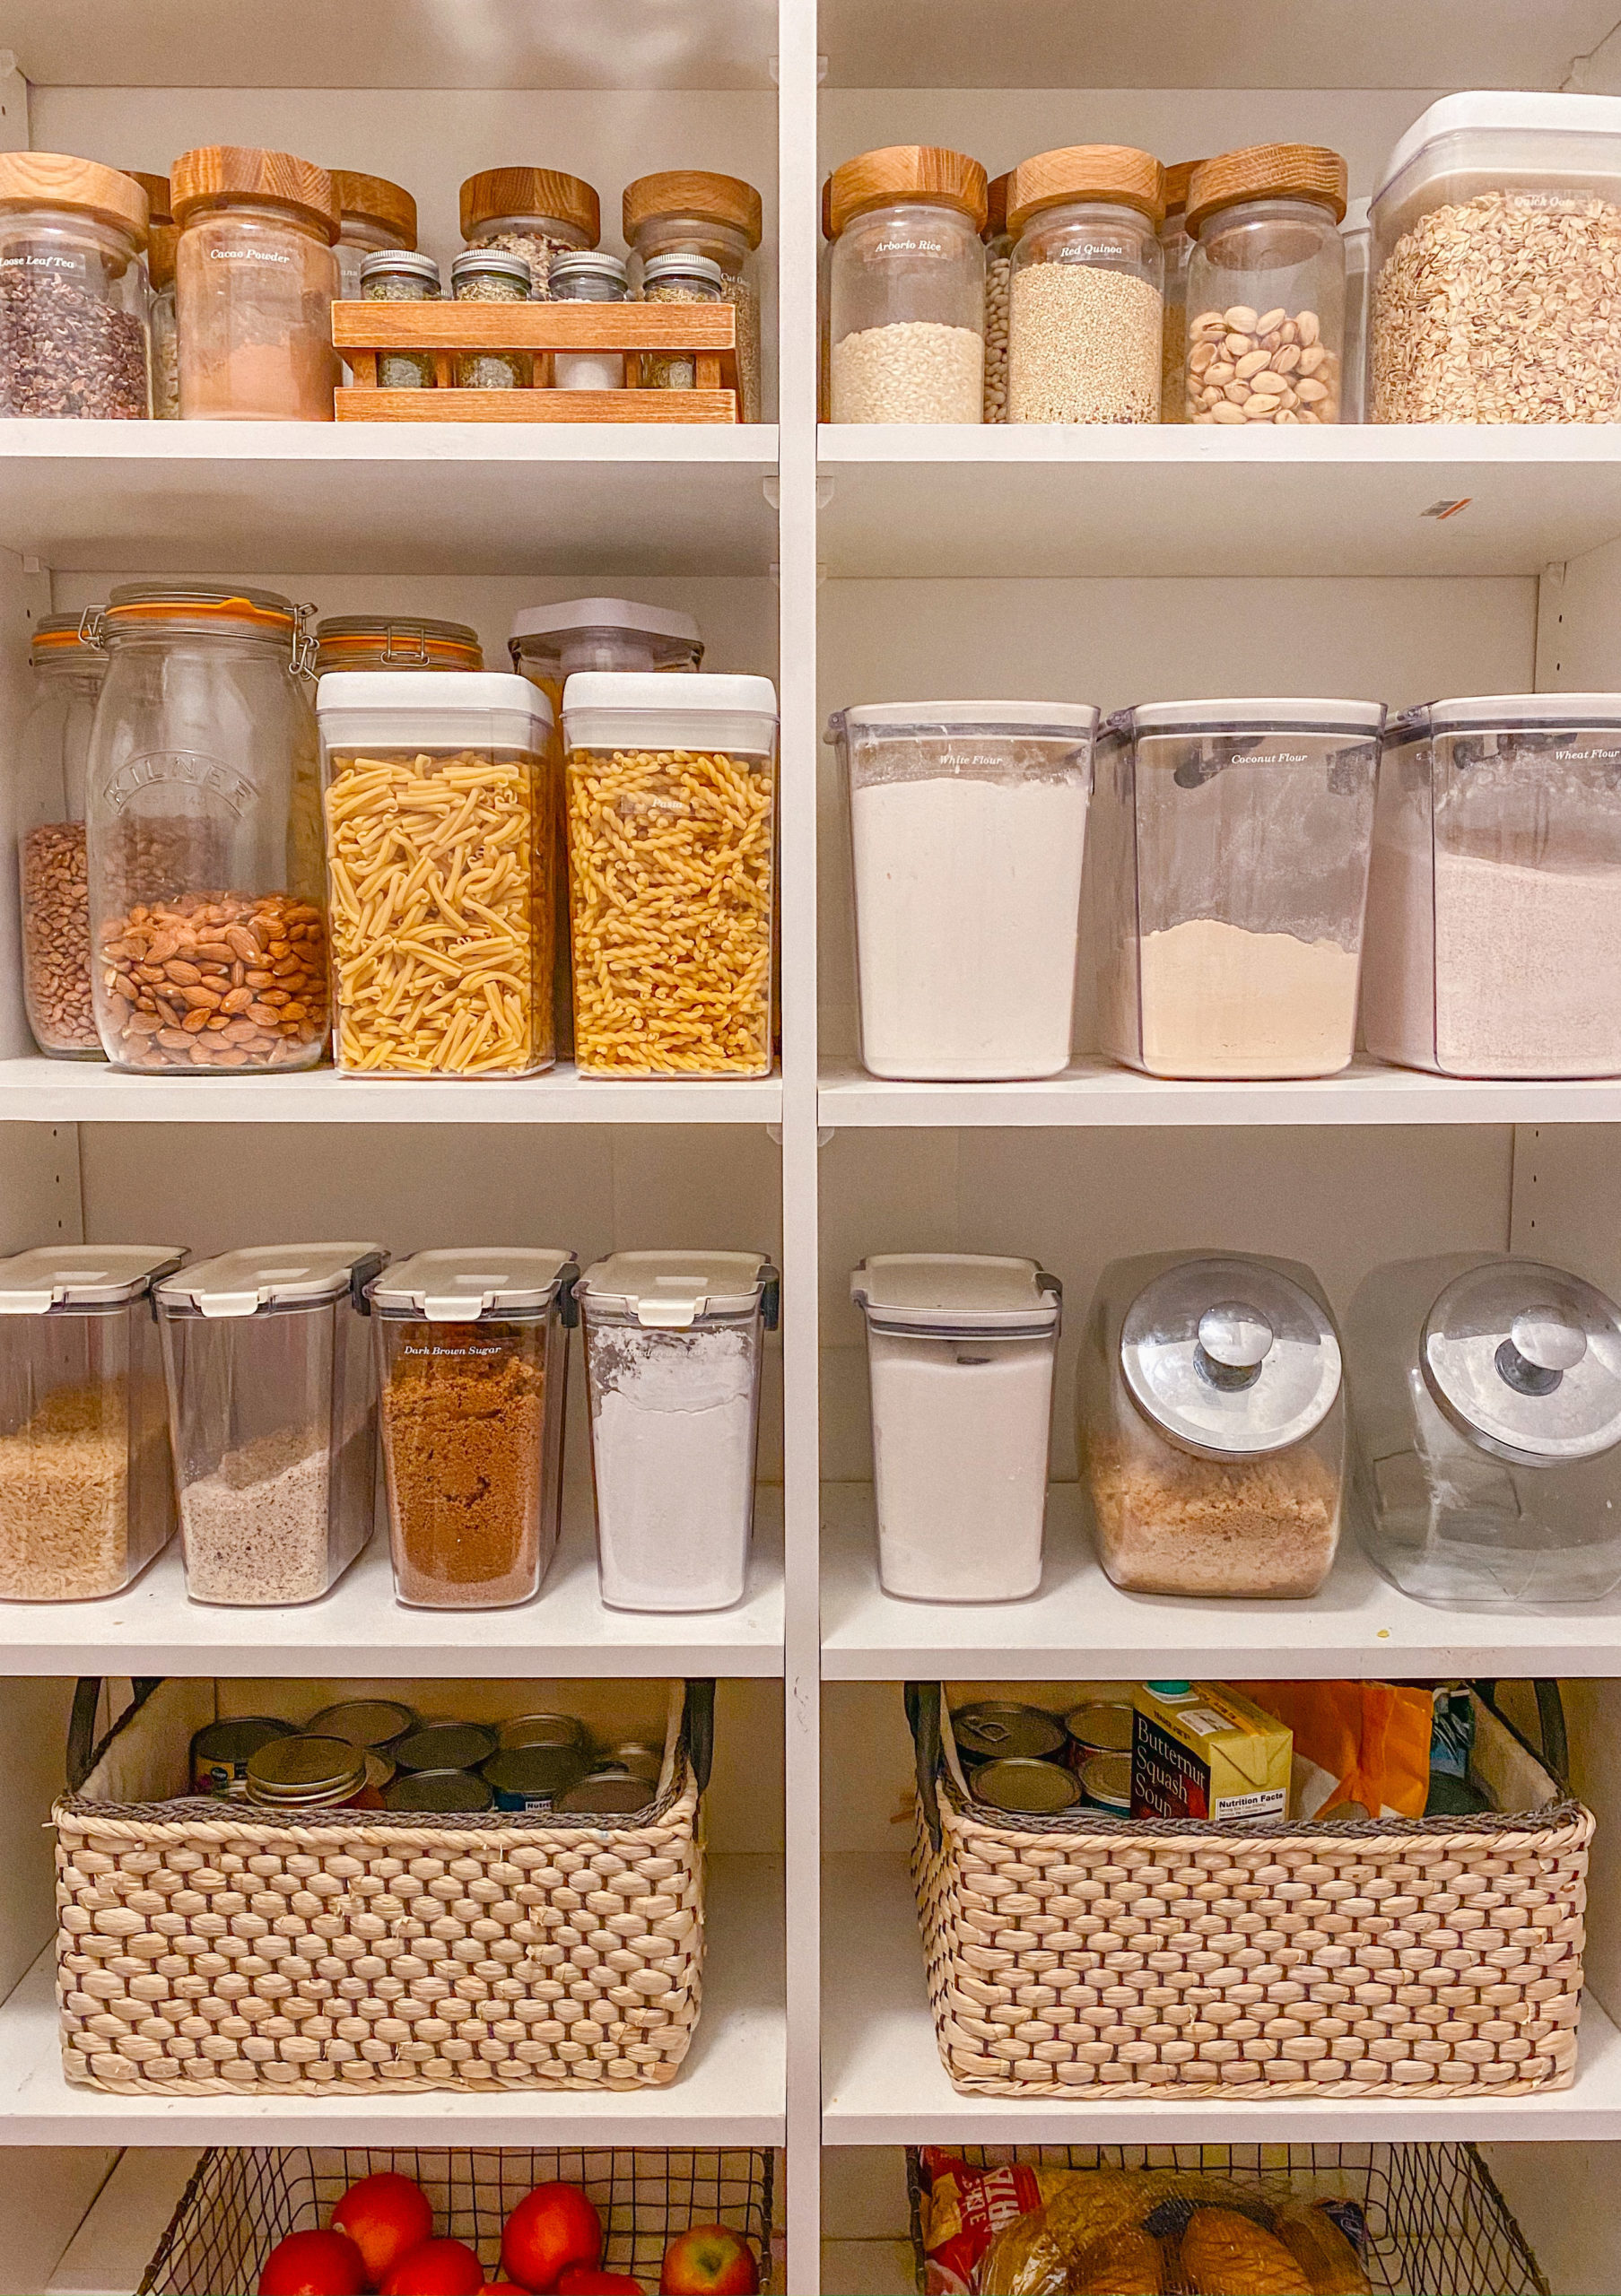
(1361,1748)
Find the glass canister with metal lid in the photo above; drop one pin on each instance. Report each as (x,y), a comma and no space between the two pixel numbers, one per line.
(1486,1430)
(1212,1425)
(68,667)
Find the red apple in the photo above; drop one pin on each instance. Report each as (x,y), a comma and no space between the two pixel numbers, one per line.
(436,2268)
(581,2280)
(710,2260)
(314,2263)
(503,2288)
(553,2228)
(386,2217)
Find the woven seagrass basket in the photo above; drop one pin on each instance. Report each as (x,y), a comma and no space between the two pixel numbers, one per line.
(1266,1958)
(203,1946)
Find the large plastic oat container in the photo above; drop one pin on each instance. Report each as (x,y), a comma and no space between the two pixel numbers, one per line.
(1229,864)
(1211,1425)
(960,1353)
(438,856)
(672,789)
(968,825)
(674,1342)
(1496,239)
(472,1374)
(273,1416)
(1495,903)
(86,1491)
(1486,1429)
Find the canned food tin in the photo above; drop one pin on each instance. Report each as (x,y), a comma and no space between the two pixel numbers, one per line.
(1020,1783)
(379,1770)
(533,1778)
(995,1729)
(1106,1785)
(303,1773)
(544,1730)
(607,1794)
(438,1789)
(1097,1728)
(220,1753)
(370,1722)
(444,1745)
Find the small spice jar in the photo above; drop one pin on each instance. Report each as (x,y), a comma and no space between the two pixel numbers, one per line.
(383,641)
(998,283)
(688,211)
(161,239)
(1176,248)
(72,291)
(533,213)
(53,877)
(908,287)
(401,278)
(375,216)
(1086,315)
(492,275)
(255,277)
(677,278)
(589,276)
(1266,286)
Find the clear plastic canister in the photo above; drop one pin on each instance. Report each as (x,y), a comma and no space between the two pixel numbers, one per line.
(968,825)
(255,278)
(439,861)
(908,287)
(960,1353)
(52,867)
(1266,286)
(1086,319)
(1229,854)
(273,1416)
(472,1373)
(534,213)
(86,1493)
(73,289)
(674,1342)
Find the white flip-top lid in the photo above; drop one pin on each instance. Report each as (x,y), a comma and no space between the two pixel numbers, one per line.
(651,709)
(1077,720)
(672,1291)
(82,1276)
(1290,713)
(458,1287)
(483,708)
(1516,134)
(956,1292)
(271,1275)
(1503,712)
(605,614)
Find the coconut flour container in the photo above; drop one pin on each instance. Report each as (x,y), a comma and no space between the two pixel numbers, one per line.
(674,1342)
(1211,1425)
(1229,853)
(960,1353)
(1495,903)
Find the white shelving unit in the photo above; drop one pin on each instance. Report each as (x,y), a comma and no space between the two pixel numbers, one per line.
(858,565)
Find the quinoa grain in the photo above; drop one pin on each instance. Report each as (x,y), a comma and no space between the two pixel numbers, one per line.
(1084,345)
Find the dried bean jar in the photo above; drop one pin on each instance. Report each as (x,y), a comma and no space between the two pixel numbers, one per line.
(998,287)
(533,213)
(161,239)
(1266,286)
(1087,314)
(207,924)
(907,321)
(375,217)
(68,668)
(688,211)
(72,290)
(255,278)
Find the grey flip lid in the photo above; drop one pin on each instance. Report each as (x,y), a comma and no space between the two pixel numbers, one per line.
(672,1291)
(1230,1357)
(1525,1361)
(942,1292)
(82,1276)
(458,1287)
(268,1276)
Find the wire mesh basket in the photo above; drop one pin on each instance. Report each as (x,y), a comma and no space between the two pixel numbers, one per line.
(241,2201)
(1437,2224)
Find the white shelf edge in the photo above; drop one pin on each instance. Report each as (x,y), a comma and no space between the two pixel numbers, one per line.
(1184,445)
(24,437)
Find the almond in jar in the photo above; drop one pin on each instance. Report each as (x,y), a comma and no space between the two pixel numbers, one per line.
(255,278)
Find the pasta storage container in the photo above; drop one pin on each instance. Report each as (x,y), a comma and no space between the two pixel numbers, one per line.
(968,825)
(671,813)
(673,1345)
(907,287)
(273,1417)
(86,1491)
(1494,901)
(1229,853)
(206,901)
(52,867)
(532,212)
(1266,286)
(1086,324)
(472,1377)
(1486,1430)
(255,278)
(1211,1424)
(689,211)
(1496,238)
(375,217)
(438,854)
(72,291)
(959,1355)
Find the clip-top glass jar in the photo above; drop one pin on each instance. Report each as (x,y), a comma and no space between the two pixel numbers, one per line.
(72,291)
(688,211)
(908,287)
(394,641)
(160,239)
(68,669)
(534,213)
(1266,286)
(1086,317)
(255,278)
(204,825)
(375,216)
(587,276)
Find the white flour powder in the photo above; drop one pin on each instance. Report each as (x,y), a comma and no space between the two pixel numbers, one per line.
(1218,1000)
(673,1449)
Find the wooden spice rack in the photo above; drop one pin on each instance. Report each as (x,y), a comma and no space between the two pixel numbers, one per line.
(707,332)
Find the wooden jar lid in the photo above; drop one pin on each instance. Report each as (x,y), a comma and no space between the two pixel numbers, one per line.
(996,205)
(242,171)
(908,171)
(1177,177)
(52,180)
(1267,172)
(156,189)
(693,191)
(530,191)
(827,207)
(1113,172)
(378,200)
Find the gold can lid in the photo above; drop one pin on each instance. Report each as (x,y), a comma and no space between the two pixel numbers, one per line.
(300,1768)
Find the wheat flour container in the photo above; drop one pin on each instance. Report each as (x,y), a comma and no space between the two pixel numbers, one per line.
(1229,864)
(52,866)
(273,1416)
(968,827)
(960,1355)
(1266,286)
(1211,1424)
(907,288)
(1487,1431)
(73,289)
(256,274)
(1494,943)
(673,1345)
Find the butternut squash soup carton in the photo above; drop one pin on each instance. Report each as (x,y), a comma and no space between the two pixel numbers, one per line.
(1199,1750)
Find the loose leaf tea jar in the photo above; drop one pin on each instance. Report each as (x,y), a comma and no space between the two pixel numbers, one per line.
(72,294)
(255,277)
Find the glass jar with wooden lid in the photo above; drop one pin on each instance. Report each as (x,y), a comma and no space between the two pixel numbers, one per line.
(161,311)
(255,278)
(536,213)
(1176,247)
(375,217)
(908,287)
(1087,314)
(72,293)
(1266,286)
(688,211)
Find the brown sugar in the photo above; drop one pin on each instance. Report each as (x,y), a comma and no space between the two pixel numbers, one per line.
(1169,1523)
(463,1433)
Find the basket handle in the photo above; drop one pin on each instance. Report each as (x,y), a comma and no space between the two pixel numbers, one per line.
(82,1748)
(698,1730)
(923,1713)
(1554,1751)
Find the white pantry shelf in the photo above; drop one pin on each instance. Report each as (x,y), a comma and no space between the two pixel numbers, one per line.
(884,2083)
(730,2091)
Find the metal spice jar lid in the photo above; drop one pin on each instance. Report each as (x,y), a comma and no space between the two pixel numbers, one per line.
(904,172)
(1032,1788)
(1116,174)
(493,263)
(1267,172)
(400,263)
(702,268)
(445,1746)
(369,1722)
(542,194)
(241,174)
(31,180)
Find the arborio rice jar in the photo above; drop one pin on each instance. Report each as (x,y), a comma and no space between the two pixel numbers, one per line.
(908,287)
